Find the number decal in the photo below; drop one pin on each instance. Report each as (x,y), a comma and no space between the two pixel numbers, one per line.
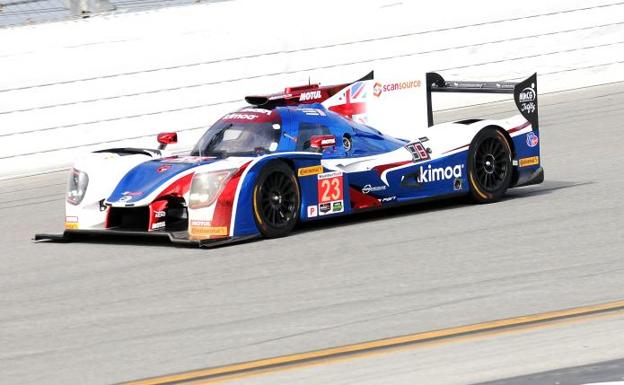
(421,151)
(336,185)
(325,185)
(330,186)
(418,151)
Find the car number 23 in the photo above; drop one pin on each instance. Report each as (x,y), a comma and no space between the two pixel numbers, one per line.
(330,187)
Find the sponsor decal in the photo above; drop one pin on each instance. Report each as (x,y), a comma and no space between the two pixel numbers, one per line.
(205,228)
(248,114)
(377,89)
(239,116)
(187,159)
(529,108)
(388,199)
(71,223)
(281,96)
(129,195)
(401,85)
(313,112)
(163,168)
(257,111)
(527,99)
(334,207)
(368,188)
(312,170)
(526,162)
(158,225)
(159,214)
(527,95)
(210,230)
(418,151)
(329,175)
(310,95)
(429,174)
(330,187)
(531,139)
(197,223)
(312,211)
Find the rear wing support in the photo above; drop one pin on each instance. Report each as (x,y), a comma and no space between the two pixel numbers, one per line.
(524,93)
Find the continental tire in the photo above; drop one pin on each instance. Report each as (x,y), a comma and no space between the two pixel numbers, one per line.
(489,166)
(276,200)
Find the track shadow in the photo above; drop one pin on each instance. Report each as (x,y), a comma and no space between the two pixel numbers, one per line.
(112,239)
(422,207)
(435,205)
(139,240)
(548,187)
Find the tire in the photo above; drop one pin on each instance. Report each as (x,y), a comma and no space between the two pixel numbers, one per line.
(276,200)
(489,166)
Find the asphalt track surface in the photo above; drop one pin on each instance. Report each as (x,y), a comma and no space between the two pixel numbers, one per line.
(98,313)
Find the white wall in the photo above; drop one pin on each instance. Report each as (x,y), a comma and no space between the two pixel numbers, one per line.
(71,87)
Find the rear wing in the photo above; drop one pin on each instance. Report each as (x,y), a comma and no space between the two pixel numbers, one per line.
(293,96)
(524,93)
(397,102)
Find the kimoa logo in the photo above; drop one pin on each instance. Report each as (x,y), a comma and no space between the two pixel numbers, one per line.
(442,173)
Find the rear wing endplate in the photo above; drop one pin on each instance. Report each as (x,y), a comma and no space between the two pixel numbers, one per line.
(524,93)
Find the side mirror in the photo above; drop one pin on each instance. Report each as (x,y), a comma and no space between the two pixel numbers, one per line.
(165,138)
(321,142)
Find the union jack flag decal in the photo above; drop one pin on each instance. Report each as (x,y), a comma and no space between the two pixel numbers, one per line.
(354,102)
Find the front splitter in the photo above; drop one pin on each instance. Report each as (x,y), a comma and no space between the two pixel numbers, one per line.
(180,238)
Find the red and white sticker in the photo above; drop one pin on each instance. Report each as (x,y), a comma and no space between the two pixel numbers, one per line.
(330,187)
(312,211)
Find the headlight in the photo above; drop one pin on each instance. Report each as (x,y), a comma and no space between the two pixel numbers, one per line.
(207,186)
(77,186)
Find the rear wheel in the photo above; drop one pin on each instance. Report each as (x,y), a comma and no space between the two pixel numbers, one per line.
(489,166)
(276,200)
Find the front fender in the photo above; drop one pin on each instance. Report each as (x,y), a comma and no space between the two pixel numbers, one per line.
(104,170)
(243,222)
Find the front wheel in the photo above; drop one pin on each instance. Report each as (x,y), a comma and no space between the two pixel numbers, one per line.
(276,200)
(489,166)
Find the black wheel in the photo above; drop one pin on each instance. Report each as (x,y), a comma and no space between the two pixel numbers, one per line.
(489,166)
(276,200)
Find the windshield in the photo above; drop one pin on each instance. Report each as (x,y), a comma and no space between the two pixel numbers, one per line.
(249,132)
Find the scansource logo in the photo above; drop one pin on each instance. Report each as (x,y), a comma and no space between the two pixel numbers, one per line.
(379,88)
(442,173)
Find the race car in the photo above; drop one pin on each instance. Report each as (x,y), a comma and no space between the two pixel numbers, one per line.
(306,154)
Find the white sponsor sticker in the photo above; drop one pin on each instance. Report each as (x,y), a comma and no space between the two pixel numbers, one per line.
(329,175)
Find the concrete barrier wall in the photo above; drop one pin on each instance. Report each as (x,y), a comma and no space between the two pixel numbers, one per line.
(116,80)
